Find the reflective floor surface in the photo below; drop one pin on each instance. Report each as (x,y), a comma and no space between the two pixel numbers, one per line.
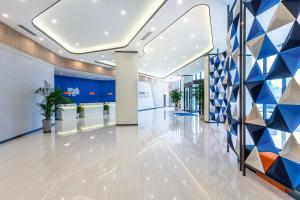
(167,157)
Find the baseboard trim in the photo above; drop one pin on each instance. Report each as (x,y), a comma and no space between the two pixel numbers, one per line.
(19,136)
(127,124)
(152,108)
(22,135)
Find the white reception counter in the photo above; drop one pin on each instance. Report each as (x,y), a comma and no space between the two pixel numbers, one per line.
(91,110)
(67,112)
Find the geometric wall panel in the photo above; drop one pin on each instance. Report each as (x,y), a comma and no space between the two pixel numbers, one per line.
(275,31)
(218,88)
(232,66)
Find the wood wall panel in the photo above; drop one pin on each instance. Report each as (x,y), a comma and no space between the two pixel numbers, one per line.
(22,43)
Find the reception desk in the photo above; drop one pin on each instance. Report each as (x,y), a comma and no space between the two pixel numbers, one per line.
(91,110)
(67,112)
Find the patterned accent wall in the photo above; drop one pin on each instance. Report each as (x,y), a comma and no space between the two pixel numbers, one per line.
(232,65)
(218,87)
(273,83)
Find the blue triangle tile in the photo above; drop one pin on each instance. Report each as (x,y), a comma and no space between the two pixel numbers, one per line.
(278,172)
(236,44)
(256,132)
(291,115)
(266,144)
(267,48)
(254,88)
(277,121)
(292,58)
(293,6)
(280,69)
(255,74)
(256,30)
(293,171)
(265,95)
(293,39)
(265,5)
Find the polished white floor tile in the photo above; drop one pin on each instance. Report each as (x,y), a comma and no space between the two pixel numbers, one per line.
(165,158)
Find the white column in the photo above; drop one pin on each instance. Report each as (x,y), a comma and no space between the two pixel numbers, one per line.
(126,88)
(206,89)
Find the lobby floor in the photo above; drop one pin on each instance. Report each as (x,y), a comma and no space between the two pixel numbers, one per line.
(166,158)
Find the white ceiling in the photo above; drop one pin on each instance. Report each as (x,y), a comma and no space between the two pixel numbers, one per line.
(93,23)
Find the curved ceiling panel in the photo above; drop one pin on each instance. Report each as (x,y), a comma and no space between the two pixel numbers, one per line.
(85,36)
(184,41)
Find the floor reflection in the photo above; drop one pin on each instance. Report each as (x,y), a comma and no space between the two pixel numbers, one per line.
(165,157)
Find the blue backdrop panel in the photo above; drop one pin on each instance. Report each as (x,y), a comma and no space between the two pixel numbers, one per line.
(89,91)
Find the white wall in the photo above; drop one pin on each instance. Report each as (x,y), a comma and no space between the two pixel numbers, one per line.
(20,75)
(151,94)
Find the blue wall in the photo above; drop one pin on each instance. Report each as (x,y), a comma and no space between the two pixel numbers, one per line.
(86,87)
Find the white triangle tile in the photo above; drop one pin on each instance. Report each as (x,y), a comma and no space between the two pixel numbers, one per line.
(236,9)
(281,17)
(291,96)
(266,18)
(255,44)
(236,112)
(279,35)
(291,150)
(254,117)
(254,160)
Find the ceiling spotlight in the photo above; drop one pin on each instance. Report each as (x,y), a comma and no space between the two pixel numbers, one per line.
(77,44)
(54,21)
(41,39)
(192,36)
(197,47)
(123,12)
(106,33)
(161,37)
(138,44)
(5,15)
(81,60)
(165,58)
(174,48)
(60,51)
(179,2)
(102,56)
(185,19)
(153,29)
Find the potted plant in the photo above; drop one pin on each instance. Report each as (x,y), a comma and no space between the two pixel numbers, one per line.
(79,111)
(175,96)
(106,109)
(51,98)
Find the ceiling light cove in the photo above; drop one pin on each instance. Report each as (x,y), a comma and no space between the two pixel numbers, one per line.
(182,44)
(96,26)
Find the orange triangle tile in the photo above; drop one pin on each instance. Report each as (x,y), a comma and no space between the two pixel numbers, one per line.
(267,159)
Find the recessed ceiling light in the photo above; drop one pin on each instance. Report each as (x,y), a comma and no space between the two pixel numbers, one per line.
(165,58)
(41,39)
(153,29)
(54,21)
(123,12)
(192,36)
(185,19)
(81,60)
(60,51)
(76,44)
(179,1)
(197,47)
(106,33)
(161,37)
(102,56)
(5,15)
(174,48)
(138,44)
